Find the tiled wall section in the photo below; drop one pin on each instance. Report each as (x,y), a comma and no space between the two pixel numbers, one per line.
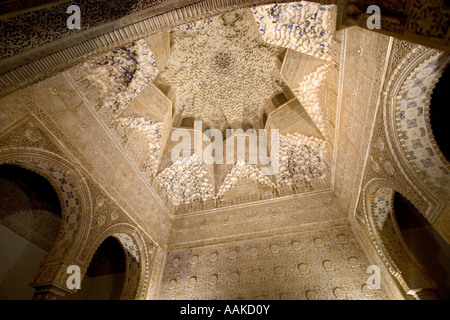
(322,264)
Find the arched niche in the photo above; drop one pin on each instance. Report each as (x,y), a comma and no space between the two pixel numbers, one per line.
(136,255)
(409,273)
(76,215)
(105,276)
(30,218)
(425,242)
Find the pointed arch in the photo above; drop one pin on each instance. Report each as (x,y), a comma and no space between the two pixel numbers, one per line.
(75,200)
(137,256)
(383,230)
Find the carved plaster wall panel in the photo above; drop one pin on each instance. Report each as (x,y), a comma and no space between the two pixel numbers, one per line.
(414,128)
(325,264)
(364,63)
(25,68)
(387,159)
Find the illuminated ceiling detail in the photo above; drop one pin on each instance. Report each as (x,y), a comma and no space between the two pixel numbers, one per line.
(308,92)
(224,72)
(243,172)
(221,71)
(121,74)
(151,130)
(187,180)
(301,159)
(306,27)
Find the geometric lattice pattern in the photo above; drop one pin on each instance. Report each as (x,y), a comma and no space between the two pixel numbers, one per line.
(319,265)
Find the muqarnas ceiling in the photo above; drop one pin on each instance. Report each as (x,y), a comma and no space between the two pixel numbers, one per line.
(120,75)
(221,71)
(304,26)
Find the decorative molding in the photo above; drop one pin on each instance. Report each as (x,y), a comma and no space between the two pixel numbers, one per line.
(339,105)
(322,225)
(387,238)
(61,140)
